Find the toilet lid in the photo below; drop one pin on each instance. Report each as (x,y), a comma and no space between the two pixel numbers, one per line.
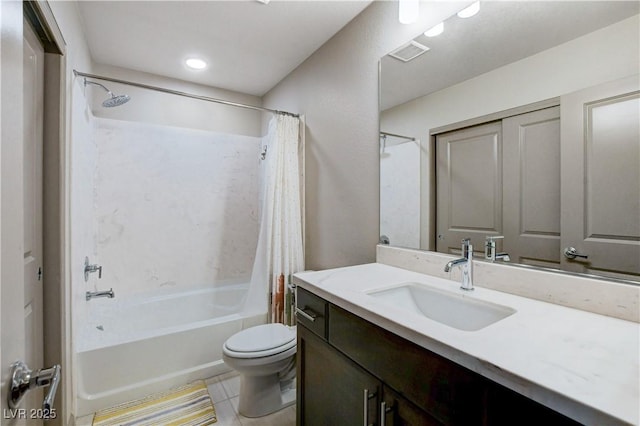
(261,338)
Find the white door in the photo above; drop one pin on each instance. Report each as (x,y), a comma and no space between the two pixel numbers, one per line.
(600,181)
(21,307)
(33,72)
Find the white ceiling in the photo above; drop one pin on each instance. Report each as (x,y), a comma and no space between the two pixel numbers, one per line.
(501,33)
(250,46)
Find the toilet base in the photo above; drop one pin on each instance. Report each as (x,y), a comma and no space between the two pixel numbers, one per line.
(262,395)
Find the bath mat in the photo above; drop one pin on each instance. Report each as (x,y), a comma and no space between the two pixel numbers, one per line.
(187,405)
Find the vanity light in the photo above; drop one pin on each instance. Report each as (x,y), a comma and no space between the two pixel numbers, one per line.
(435,31)
(408,11)
(468,12)
(196,64)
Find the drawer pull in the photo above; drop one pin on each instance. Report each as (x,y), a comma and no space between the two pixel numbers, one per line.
(367,397)
(309,316)
(383,411)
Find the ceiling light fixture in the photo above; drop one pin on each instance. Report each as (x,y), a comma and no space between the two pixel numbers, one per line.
(196,64)
(408,11)
(468,12)
(435,31)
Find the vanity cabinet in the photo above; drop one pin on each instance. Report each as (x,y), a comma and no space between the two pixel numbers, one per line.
(352,372)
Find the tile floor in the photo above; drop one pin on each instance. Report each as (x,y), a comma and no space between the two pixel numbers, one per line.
(224,392)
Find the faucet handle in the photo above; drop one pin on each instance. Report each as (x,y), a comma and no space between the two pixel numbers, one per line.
(492,238)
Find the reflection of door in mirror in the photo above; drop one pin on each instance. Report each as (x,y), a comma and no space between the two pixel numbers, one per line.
(502,178)
(491,182)
(601,179)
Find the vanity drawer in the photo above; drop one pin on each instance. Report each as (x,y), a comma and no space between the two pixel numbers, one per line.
(311,311)
(449,392)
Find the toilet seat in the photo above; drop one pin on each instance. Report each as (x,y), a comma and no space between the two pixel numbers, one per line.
(260,341)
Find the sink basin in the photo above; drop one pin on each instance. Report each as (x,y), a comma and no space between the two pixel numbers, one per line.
(457,311)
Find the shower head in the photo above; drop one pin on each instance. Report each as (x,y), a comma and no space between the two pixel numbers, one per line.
(114,100)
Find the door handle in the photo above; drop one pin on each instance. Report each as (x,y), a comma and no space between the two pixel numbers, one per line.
(572,253)
(23,380)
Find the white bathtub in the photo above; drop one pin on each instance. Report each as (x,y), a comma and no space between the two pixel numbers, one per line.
(131,348)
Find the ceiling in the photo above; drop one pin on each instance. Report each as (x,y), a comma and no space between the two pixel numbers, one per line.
(501,33)
(249,46)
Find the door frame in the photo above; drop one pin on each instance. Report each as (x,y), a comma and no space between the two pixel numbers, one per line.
(56,230)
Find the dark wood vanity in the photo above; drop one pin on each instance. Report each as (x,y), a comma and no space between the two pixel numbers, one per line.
(352,372)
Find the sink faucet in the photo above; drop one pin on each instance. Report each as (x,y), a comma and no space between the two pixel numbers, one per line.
(465,263)
(490,252)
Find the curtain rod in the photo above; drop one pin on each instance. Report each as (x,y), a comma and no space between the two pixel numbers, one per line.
(397,136)
(188,95)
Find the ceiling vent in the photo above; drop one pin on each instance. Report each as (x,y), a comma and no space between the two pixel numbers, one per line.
(409,51)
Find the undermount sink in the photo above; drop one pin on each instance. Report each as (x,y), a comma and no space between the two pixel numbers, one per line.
(457,311)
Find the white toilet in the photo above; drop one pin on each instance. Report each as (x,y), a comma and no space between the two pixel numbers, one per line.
(264,356)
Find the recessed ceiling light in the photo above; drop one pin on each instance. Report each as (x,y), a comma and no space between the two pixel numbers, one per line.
(435,31)
(196,64)
(468,12)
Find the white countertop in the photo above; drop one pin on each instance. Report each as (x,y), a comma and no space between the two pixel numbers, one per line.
(584,365)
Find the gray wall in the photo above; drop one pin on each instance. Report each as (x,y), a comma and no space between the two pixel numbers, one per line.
(337,90)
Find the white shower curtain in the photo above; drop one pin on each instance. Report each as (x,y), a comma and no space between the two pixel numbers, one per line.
(280,247)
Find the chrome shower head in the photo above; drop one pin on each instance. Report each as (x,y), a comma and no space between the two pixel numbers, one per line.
(114,100)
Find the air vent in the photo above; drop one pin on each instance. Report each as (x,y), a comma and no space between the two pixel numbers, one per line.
(409,51)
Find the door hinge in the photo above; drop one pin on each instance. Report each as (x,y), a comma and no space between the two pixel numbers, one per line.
(39,273)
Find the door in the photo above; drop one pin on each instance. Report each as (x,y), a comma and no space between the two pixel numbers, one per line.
(22,61)
(600,181)
(531,189)
(469,186)
(33,60)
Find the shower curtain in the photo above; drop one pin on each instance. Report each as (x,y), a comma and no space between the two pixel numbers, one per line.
(280,247)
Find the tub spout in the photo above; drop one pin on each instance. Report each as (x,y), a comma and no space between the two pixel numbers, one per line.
(106,293)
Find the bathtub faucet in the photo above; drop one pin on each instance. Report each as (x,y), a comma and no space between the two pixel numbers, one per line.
(106,293)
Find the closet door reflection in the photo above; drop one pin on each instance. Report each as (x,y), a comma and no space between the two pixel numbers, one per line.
(531,191)
(469,186)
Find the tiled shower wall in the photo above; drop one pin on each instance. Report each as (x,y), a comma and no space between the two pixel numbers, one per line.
(176,208)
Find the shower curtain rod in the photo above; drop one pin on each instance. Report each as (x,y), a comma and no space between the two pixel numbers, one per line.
(188,95)
(397,136)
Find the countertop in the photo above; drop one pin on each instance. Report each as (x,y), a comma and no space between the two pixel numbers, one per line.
(584,365)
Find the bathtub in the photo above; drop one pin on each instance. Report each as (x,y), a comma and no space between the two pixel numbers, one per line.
(130,348)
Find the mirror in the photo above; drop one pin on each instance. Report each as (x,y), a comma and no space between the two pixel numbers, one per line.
(511,59)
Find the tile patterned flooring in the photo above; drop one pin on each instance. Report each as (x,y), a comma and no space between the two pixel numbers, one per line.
(224,391)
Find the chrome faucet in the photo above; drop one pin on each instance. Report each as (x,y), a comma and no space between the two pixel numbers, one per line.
(465,263)
(95,294)
(490,252)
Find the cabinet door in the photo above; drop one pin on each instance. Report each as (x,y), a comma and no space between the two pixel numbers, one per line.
(332,390)
(397,411)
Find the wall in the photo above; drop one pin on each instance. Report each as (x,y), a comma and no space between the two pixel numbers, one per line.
(176,208)
(337,90)
(604,55)
(76,223)
(150,106)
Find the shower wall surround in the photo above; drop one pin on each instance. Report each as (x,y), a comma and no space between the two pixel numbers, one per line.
(176,208)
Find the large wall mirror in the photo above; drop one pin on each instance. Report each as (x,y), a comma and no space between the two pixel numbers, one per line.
(521,123)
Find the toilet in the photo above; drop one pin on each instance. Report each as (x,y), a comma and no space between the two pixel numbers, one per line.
(264,356)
